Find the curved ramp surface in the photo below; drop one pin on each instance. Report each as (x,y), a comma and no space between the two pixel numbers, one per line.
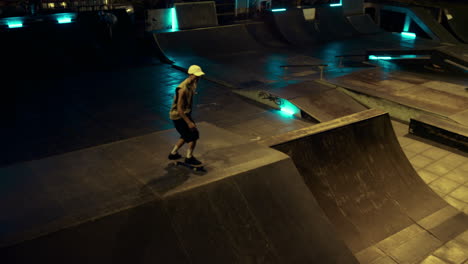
(243,56)
(424,18)
(329,24)
(251,206)
(364,24)
(360,176)
(227,53)
(294,28)
(264,35)
(252,55)
(426,21)
(457,20)
(333,25)
(208,42)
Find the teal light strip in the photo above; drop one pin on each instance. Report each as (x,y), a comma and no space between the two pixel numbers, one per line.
(410,57)
(16,24)
(278,10)
(64,20)
(407,23)
(408,34)
(340,4)
(175,22)
(399,57)
(372,57)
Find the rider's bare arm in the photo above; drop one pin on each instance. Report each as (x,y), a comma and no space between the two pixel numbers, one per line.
(180,110)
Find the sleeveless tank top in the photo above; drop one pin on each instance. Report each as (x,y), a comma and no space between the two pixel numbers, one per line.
(186,101)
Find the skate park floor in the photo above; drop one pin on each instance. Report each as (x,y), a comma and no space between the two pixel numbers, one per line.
(137,103)
(51,115)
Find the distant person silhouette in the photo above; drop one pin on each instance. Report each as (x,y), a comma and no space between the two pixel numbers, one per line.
(109,20)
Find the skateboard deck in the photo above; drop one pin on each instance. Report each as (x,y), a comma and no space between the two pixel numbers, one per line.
(190,166)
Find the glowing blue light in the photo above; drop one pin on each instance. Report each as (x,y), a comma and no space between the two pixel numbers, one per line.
(288,109)
(278,10)
(175,22)
(64,20)
(15,24)
(409,57)
(372,57)
(407,23)
(408,34)
(400,57)
(339,4)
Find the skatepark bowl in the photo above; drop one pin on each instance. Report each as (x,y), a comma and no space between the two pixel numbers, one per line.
(327,136)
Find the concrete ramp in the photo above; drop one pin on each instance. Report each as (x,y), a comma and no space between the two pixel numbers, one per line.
(360,177)
(454,58)
(311,100)
(329,24)
(208,42)
(123,203)
(264,35)
(236,55)
(425,20)
(364,24)
(444,131)
(320,102)
(196,14)
(457,20)
(333,25)
(292,25)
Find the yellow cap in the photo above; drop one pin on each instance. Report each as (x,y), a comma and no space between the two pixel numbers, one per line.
(195,70)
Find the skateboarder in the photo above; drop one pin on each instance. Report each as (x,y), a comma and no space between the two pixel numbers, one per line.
(181,115)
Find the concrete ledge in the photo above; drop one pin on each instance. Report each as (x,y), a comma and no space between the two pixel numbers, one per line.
(442,131)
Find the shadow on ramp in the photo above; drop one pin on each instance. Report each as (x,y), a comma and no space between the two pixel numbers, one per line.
(360,176)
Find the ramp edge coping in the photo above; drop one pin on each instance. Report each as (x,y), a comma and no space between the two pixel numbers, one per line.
(321,127)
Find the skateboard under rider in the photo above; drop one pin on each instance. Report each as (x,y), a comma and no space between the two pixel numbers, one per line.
(188,165)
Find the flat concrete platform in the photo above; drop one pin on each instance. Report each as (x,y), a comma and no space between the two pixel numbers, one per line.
(124,202)
(97,181)
(321,102)
(423,92)
(310,100)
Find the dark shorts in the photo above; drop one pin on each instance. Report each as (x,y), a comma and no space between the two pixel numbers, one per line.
(187,134)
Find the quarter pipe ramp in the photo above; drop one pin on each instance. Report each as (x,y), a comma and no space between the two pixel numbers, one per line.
(359,175)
